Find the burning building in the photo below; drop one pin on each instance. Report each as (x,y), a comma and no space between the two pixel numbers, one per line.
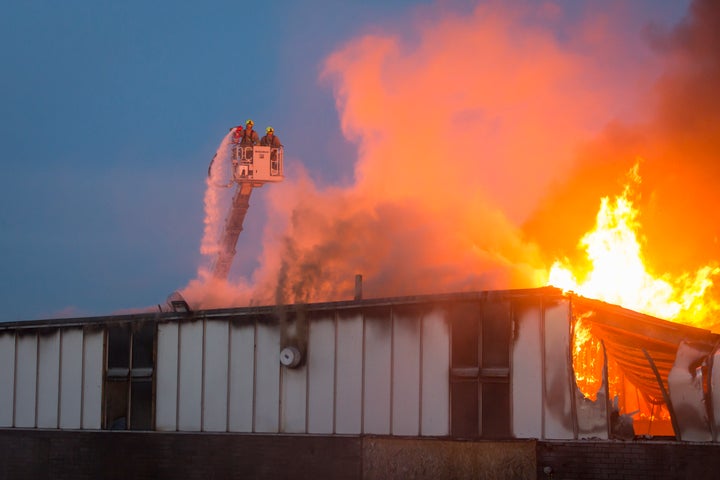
(479,374)
(366,377)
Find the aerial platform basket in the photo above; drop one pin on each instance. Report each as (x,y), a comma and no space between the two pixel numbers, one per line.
(257,164)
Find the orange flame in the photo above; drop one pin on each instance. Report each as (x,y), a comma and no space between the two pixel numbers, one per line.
(587,359)
(618,273)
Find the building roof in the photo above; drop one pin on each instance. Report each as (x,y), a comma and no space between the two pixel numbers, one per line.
(253,312)
(643,346)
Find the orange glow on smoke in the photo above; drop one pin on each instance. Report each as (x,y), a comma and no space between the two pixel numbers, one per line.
(618,273)
(465,121)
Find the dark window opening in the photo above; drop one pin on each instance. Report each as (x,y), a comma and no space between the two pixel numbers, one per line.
(480,369)
(118,347)
(129,377)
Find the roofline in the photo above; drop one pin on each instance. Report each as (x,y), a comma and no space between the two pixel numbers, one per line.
(693,332)
(265,310)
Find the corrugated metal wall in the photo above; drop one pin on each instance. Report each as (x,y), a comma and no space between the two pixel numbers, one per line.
(385,369)
(379,371)
(52,378)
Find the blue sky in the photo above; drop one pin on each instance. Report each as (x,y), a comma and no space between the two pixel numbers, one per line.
(112,111)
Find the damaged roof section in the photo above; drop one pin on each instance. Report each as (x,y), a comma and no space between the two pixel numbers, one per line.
(646,349)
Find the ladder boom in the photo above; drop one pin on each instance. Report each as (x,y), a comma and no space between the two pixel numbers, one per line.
(233,227)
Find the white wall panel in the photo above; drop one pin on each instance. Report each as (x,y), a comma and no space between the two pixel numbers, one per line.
(7,378)
(26,380)
(294,382)
(321,376)
(93,366)
(48,379)
(557,394)
(526,375)
(267,379)
(190,377)
(166,377)
(242,378)
(215,399)
(348,388)
(376,395)
(406,376)
(435,395)
(294,399)
(71,340)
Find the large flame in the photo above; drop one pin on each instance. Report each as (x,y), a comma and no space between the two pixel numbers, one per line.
(618,272)
(587,359)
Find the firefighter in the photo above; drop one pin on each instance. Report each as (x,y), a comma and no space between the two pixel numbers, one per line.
(237,134)
(270,140)
(250,137)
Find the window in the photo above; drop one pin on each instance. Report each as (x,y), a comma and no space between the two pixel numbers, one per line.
(129,377)
(479,370)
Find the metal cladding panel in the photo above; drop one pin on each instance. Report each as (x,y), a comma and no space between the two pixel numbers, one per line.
(93,366)
(190,376)
(406,373)
(48,379)
(26,380)
(557,395)
(435,369)
(526,378)
(7,378)
(215,386)
(71,341)
(377,375)
(321,376)
(267,379)
(294,399)
(166,377)
(348,388)
(242,378)
(685,385)
(592,415)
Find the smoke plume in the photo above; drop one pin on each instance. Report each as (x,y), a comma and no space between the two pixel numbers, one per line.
(485,140)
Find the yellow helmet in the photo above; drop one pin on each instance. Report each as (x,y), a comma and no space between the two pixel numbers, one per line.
(249,122)
(269,130)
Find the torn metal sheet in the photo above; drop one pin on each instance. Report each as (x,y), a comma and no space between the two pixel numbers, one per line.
(714,377)
(646,350)
(687,396)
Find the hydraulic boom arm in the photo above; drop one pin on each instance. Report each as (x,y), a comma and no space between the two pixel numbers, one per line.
(233,227)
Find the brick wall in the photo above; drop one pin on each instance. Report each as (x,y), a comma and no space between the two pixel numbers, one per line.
(628,460)
(54,454)
(386,458)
